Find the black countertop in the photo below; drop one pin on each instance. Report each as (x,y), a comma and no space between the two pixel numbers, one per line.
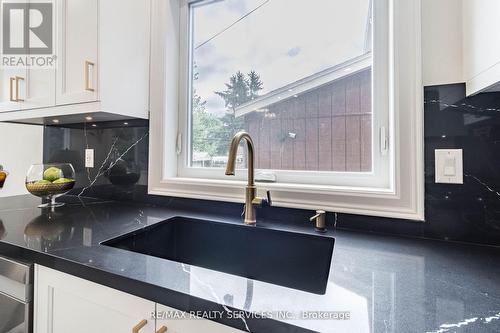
(386,284)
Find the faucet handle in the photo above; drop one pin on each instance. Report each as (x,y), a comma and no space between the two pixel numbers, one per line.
(263,202)
(269,201)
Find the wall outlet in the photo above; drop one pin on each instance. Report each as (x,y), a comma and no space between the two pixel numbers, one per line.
(89,158)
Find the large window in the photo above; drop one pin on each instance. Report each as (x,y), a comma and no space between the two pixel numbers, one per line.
(261,66)
(296,75)
(329,90)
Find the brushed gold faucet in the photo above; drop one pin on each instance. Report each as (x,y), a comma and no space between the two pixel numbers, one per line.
(251,199)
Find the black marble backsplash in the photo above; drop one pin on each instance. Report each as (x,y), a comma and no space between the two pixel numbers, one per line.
(468,212)
(120,156)
(465,213)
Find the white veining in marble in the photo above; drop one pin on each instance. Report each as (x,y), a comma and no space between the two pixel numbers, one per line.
(489,188)
(466,322)
(461,105)
(103,168)
(490,319)
(213,293)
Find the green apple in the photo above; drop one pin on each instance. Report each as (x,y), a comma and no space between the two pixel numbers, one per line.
(43,182)
(52,174)
(62,181)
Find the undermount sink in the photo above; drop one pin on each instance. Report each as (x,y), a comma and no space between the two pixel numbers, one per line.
(294,260)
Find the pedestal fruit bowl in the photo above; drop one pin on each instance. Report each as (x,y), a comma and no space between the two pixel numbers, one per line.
(49,181)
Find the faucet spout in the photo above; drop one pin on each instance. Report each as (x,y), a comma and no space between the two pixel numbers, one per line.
(233,151)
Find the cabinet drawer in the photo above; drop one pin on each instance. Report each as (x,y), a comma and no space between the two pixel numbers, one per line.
(13,315)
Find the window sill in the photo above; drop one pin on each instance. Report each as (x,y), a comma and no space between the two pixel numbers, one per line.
(360,201)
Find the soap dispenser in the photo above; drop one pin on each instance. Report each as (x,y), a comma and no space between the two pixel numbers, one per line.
(320,221)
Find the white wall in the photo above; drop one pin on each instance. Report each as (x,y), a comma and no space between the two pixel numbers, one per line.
(442,42)
(20,146)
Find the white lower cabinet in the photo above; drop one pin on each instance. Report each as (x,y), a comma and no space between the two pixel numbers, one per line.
(64,303)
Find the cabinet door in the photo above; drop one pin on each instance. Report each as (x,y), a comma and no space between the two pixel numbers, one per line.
(77,42)
(40,82)
(12,79)
(189,325)
(39,88)
(12,88)
(64,303)
(124,56)
(481,51)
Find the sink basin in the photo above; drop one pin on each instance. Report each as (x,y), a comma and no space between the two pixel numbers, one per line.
(288,259)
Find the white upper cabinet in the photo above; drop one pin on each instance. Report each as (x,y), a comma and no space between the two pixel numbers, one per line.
(38,86)
(24,87)
(12,79)
(124,45)
(101,54)
(77,61)
(481,49)
(12,89)
(39,89)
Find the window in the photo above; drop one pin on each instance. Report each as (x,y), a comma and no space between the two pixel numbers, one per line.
(326,88)
(297,77)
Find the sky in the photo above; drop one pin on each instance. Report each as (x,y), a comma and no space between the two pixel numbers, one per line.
(283,41)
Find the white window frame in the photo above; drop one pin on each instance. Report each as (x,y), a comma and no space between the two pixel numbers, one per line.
(401,195)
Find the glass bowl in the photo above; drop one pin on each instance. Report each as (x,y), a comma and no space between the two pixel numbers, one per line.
(49,181)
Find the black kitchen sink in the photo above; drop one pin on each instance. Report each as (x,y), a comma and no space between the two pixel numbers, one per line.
(294,260)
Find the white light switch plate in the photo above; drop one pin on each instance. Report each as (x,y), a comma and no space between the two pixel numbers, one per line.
(449,166)
(89,158)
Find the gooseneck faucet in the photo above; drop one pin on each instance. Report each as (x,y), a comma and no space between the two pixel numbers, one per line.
(251,199)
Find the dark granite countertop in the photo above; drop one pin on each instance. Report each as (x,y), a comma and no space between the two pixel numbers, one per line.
(386,284)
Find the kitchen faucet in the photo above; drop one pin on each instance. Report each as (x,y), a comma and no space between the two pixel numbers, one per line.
(251,199)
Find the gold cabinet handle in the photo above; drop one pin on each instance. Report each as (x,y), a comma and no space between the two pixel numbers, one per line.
(11,91)
(162,329)
(139,326)
(88,64)
(18,78)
